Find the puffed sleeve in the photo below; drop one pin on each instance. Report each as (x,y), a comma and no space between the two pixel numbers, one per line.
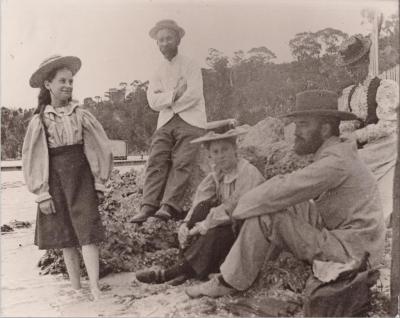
(97,149)
(35,160)
(387,98)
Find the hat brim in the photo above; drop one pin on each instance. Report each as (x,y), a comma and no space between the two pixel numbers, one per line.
(366,47)
(73,63)
(211,136)
(325,113)
(153,32)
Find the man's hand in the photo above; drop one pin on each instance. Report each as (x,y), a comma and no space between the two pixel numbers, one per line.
(351,136)
(199,228)
(47,207)
(183,234)
(180,88)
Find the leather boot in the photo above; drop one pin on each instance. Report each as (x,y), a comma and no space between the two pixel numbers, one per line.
(145,212)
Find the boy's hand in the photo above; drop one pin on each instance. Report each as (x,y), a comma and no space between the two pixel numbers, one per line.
(47,207)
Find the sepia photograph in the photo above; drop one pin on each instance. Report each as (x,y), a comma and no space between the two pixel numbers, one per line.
(200,158)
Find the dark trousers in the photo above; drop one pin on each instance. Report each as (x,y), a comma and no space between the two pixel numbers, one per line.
(208,252)
(170,163)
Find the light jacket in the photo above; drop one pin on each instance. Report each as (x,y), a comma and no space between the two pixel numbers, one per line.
(190,106)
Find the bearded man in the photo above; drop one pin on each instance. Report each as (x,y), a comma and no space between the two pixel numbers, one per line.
(329,211)
(176,92)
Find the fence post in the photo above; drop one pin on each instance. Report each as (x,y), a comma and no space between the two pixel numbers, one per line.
(395,265)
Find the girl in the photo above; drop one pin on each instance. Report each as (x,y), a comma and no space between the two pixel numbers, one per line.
(66,160)
(205,239)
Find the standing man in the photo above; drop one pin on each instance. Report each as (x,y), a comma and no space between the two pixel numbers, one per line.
(176,92)
(327,211)
(375,102)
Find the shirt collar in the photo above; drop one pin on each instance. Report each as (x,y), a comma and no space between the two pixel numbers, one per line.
(70,108)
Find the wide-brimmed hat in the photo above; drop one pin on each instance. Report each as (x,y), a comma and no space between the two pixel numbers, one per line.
(353,49)
(73,63)
(166,24)
(220,129)
(319,103)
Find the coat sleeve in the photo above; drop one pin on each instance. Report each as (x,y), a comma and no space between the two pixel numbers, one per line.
(97,149)
(194,92)
(35,160)
(387,98)
(205,190)
(283,191)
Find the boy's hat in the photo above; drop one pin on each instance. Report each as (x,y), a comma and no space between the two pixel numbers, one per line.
(73,63)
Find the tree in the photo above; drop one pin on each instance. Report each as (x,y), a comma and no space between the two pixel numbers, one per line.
(389,48)
(88,101)
(308,45)
(238,57)
(305,46)
(217,60)
(97,98)
(261,54)
(330,40)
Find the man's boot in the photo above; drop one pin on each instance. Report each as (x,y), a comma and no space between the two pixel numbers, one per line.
(145,212)
(166,213)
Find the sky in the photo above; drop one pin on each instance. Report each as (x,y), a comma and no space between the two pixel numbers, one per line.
(111,36)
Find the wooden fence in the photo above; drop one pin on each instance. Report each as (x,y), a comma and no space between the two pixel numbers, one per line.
(392,73)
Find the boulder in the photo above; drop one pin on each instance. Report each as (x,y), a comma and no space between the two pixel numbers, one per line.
(268,145)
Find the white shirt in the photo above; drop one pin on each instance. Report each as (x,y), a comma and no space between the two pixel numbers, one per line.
(190,106)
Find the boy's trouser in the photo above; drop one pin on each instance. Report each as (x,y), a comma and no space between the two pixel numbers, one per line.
(170,163)
(297,230)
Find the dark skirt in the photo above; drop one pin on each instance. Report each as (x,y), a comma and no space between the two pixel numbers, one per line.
(77,219)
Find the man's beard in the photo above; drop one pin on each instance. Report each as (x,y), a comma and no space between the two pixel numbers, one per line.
(169,52)
(305,147)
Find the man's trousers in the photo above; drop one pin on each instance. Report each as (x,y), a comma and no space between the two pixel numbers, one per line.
(170,163)
(297,230)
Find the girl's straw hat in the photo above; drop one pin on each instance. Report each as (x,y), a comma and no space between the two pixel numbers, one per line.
(73,63)
(220,129)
